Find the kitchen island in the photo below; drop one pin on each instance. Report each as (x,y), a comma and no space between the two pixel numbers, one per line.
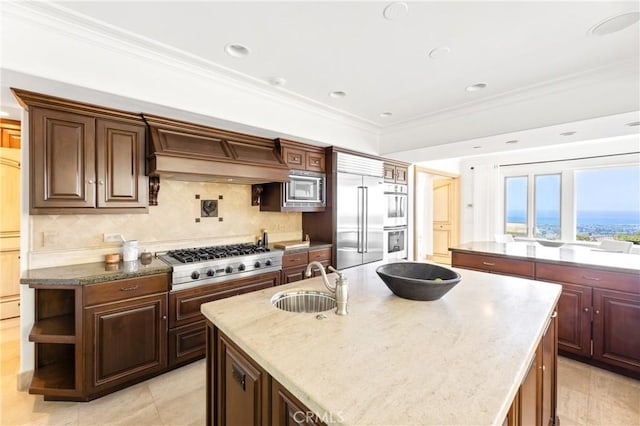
(458,360)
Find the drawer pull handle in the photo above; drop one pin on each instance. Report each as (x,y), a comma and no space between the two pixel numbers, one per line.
(134,287)
(587,277)
(239,376)
(488,263)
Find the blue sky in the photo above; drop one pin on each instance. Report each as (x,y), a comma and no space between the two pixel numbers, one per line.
(611,189)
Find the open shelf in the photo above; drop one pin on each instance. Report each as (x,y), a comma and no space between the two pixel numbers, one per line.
(59,329)
(58,376)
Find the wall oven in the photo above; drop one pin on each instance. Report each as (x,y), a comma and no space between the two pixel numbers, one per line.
(395,243)
(396,199)
(304,189)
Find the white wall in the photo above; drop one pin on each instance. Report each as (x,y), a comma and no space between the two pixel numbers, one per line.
(481,203)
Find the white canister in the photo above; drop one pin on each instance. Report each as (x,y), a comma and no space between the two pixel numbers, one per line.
(130,250)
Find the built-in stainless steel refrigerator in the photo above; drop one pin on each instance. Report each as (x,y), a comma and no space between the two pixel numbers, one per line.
(360,210)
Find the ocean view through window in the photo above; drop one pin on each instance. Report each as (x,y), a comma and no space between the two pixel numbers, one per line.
(608,204)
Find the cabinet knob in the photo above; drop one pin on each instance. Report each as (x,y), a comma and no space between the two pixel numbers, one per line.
(100,182)
(597,311)
(91,181)
(164,317)
(586,309)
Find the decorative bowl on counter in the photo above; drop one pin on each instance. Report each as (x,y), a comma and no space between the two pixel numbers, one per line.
(418,280)
(550,243)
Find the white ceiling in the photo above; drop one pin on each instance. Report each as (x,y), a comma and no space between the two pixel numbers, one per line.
(524,51)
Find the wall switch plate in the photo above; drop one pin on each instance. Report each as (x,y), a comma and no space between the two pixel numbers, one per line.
(112,238)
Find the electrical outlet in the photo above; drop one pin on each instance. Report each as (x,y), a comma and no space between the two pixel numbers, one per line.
(112,238)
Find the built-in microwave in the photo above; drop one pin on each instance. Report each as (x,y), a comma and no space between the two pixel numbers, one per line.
(304,189)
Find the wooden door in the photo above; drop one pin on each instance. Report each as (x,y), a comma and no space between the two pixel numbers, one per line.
(616,338)
(9,232)
(445,219)
(125,341)
(574,319)
(62,159)
(120,164)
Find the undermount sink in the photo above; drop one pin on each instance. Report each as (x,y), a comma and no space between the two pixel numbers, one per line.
(304,301)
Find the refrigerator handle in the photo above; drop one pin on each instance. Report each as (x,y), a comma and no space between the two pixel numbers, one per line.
(365,219)
(360,205)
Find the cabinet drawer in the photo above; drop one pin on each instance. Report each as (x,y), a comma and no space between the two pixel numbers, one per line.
(320,255)
(499,265)
(588,276)
(125,289)
(295,259)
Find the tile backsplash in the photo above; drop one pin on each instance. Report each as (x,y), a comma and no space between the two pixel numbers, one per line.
(67,239)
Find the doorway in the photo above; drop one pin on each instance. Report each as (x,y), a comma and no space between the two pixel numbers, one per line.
(437,213)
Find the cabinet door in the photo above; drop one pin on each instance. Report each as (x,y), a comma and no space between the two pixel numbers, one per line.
(290,275)
(286,410)
(294,158)
(574,319)
(243,392)
(125,341)
(530,391)
(315,161)
(616,338)
(10,138)
(389,173)
(120,161)
(401,174)
(62,148)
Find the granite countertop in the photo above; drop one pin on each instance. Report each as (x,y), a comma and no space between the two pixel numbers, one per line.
(90,273)
(457,360)
(567,254)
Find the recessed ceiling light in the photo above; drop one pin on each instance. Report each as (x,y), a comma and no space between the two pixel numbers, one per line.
(512,141)
(4,114)
(476,87)
(386,114)
(567,133)
(615,23)
(277,81)
(338,94)
(395,10)
(439,52)
(237,50)
(477,147)
(634,123)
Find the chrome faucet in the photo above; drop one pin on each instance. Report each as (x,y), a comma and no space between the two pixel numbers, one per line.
(340,289)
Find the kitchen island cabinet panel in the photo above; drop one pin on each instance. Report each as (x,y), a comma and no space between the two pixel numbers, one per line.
(125,341)
(286,410)
(616,336)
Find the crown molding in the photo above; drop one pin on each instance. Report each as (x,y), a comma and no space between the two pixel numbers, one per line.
(61,20)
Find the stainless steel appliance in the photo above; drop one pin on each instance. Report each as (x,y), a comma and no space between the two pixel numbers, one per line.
(304,189)
(360,210)
(395,243)
(396,199)
(199,266)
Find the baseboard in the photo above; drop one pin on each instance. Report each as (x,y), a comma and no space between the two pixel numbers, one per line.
(24,380)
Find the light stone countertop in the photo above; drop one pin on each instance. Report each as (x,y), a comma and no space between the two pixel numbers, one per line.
(568,254)
(458,360)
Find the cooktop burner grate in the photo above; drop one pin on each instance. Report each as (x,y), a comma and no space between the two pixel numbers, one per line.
(215,252)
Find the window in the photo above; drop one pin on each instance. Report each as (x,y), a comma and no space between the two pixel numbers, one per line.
(516,205)
(608,204)
(547,207)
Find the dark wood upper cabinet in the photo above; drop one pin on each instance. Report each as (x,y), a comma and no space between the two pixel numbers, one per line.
(299,156)
(62,159)
(120,164)
(395,173)
(84,158)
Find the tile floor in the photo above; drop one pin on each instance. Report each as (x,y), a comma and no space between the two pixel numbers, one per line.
(586,396)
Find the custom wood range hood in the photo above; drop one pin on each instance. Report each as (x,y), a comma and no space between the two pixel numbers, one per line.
(185,151)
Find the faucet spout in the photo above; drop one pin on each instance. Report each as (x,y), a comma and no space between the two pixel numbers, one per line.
(320,267)
(340,289)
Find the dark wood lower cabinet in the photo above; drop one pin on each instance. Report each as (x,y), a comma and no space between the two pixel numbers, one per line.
(616,328)
(125,340)
(574,326)
(240,392)
(186,343)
